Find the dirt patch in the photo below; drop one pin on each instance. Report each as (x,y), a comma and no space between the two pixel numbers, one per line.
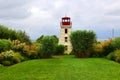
(58,56)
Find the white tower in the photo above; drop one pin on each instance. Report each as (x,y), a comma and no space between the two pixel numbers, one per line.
(65,30)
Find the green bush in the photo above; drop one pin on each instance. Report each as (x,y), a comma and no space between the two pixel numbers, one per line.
(108,49)
(6,63)
(114,56)
(112,46)
(82,42)
(116,43)
(60,49)
(47,47)
(117,55)
(110,56)
(96,54)
(72,53)
(5,45)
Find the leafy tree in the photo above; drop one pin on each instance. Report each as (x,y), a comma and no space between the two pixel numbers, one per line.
(47,47)
(24,37)
(39,40)
(55,39)
(82,42)
(6,33)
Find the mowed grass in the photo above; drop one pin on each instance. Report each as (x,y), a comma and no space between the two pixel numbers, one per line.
(62,68)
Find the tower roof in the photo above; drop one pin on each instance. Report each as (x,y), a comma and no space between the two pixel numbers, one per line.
(66,17)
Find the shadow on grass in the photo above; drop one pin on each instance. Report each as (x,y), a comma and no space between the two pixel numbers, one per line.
(63,56)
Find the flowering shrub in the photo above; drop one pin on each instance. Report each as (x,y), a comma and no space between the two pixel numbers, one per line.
(29,51)
(18,46)
(102,49)
(10,57)
(7,55)
(97,50)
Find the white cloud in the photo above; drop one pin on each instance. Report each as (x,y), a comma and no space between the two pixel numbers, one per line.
(42,17)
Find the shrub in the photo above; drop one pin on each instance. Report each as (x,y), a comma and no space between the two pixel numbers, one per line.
(6,63)
(114,56)
(18,46)
(102,49)
(5,45)
(10,57)
(117,55)
(1,58)
(98,47)
(7,57)
(82,42)
(97,50)
(107,49)
(47,47)
(116,43)
(72,53)
(110,56)
(111,46)
(29,51)
(17,58)
(60,49)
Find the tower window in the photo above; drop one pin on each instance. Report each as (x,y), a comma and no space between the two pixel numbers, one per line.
(66,48)
(65,20)
(66,39)
(66,31)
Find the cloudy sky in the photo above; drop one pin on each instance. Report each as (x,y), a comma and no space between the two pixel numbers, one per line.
(42,17)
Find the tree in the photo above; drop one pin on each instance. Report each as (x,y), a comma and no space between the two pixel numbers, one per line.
(55,39)
(23,37)
(6,33)
(39,40)
(47,47)
(82,42)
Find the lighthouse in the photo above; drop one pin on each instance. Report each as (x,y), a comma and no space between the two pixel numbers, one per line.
(65,30)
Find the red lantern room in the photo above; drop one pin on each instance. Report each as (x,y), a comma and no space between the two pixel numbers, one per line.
(66,21)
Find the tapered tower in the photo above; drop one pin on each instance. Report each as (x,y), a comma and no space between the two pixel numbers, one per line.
(65,30)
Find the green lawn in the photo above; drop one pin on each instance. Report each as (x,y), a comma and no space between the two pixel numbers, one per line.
(63,68)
